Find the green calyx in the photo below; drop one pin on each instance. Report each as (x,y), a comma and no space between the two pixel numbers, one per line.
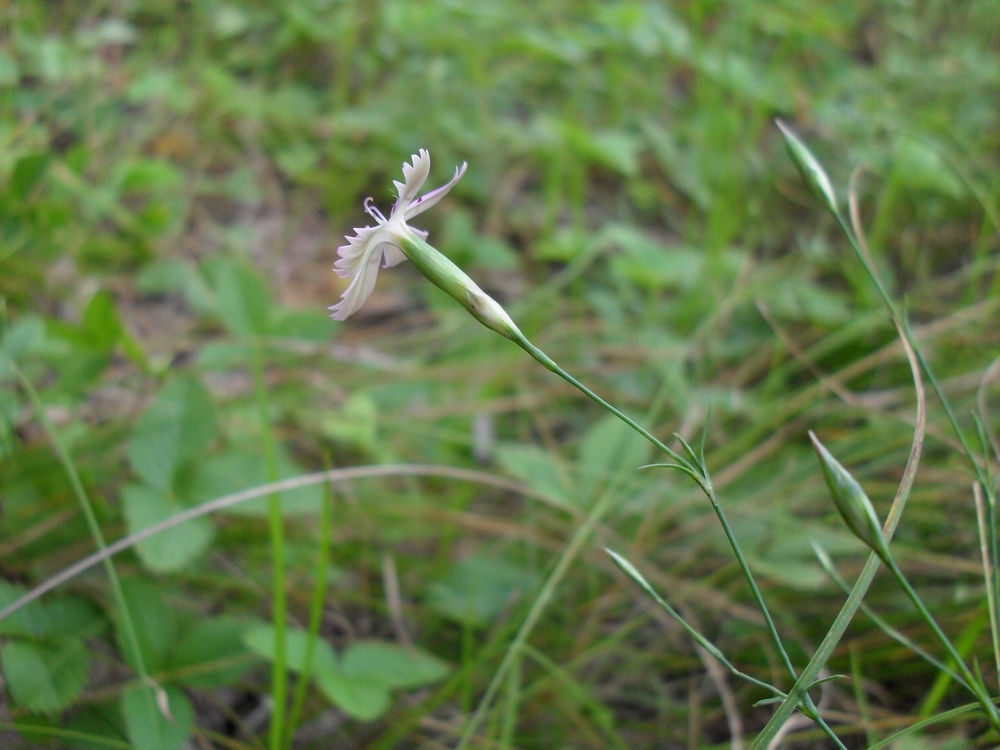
(448,277)
(851,501)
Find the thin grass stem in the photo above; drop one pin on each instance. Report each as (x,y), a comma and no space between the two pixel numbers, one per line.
(279,668)
(987,544)
(974,685)
(888,629)
(854,600)
(704,481)
(315,614)
(87,508)
(512,701)
(285,485)
(538,607)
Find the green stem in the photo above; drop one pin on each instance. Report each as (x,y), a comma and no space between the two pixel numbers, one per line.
(974,685)
(888,629)
(905,328)
(513,698)
(315,615)
(279,668)
(703,480)
(986,520)
(124,616)
(538,607)
(993,599)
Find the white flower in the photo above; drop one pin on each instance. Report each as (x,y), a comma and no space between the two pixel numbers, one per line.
(360,257)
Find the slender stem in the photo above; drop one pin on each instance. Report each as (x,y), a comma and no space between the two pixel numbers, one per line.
(974,685)
(889,630)
(512,700)
(315,615)
(987,542)
(901,322)
(701,640)
(87,508)
(547,362)
(580,536)
(705,483)
(843,619)
(279,668)
(285,485)
(994,574)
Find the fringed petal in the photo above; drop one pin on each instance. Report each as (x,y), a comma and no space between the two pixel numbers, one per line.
(414,178)
(360,257)
(392,256)
(359,260)
(359,290)
(424,202)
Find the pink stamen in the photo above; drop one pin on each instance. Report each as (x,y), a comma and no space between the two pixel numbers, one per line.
(373,211)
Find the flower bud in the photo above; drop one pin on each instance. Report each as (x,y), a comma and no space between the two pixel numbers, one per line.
(809,167)
(852,502)
(445,275)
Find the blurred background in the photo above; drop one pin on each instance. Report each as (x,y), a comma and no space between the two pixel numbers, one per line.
(175,178)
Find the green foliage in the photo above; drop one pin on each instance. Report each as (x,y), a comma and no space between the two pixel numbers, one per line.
(45,678)
(210,652)
(360,680)
(171,724)
(476,589)
(174,180)
(174,548)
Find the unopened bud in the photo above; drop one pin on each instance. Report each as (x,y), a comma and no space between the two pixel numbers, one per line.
(852,502)
(809,167)
(448,277)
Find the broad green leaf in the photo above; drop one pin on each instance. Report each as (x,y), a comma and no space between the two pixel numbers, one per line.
(477,588)
(10,73)
(212,653)
(308,325)
(21,338)
(71,616)
(154,622)
(650,264)
(30,620)
(160,85)
(28,170)
(393,665)
(99,725)
(224,355)
(101,324)
(920,166)
(174,275)
(355,424)
(151,176)
(609,447)
(537,468)
(616,150)
(174,548)
(244,301)
(260,640)
(234,470)
(45,678)
(148,728)
(176,427)
(800,298)
(359,697)
(56,617)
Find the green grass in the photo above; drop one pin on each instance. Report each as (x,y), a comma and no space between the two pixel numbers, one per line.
(174,182)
